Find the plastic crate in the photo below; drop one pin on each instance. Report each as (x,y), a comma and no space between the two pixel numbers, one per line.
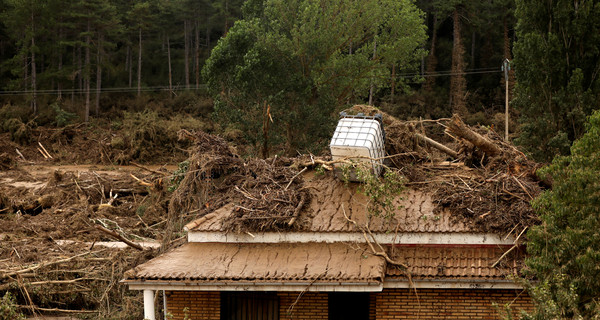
(358,138)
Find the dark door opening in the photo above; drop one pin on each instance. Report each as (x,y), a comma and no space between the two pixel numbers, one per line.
(249,306)
(349,305)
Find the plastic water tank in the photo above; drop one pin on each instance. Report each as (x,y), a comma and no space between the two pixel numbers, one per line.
(358,138)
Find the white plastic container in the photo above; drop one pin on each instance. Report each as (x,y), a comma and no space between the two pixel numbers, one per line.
(358,138)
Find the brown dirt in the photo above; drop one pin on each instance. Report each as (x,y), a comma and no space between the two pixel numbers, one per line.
(43,204)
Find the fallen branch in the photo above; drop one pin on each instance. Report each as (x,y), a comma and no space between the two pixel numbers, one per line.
(516,244)
(142,182)
(328,165)
(297,210)
(57,310)
(46,151)
(294,177)
(437,145)
(504,255)
(42,152)
(375,252)
(148,169)
(33,268)
(458,127)
(20,154)
(120,237)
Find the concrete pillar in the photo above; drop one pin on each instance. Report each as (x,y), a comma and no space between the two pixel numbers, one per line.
(149,305)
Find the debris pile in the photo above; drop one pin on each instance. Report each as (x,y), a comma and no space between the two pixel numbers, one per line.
(267,194)
(486,181)
(54,256)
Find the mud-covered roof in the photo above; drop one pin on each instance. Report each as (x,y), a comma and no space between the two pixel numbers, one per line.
(206,263)
(308,262)
(330,198)
(454,262)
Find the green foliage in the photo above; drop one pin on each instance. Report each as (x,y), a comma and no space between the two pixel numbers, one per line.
(63,117)
(557,58)
(8,308)
(178,175)
(565,249)
(149,129)
(305,59)
(19,131)
(382,191)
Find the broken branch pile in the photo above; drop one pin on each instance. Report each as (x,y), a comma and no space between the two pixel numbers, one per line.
(267,195)
(54,255)
(488,183)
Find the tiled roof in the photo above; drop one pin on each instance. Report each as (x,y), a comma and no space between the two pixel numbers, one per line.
(222,262)
(330,198)
(455,262)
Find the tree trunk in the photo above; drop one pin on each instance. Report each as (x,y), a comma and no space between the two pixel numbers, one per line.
(80,70)
(170,71)
(186,60)
(393,82)
(87,72)
(60,65)
(99,73)
(431,58)
(25,69)
(33,75)
(226,18)
(508,55)
(129,66)
(458,83)
(139,70)
(208,34)
(73,79)
(197,49)
(457,127)
(473,38)
(372,83)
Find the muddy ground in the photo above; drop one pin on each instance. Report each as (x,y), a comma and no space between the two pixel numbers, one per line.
(54,199)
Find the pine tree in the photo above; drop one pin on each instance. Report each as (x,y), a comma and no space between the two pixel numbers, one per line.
(565,249)
(557,62)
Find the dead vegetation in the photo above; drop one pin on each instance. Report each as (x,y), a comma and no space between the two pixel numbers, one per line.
(267,194)
(484,181)
(54,257)
(489,183)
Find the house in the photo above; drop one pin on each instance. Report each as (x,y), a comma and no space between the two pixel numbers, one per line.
(326,269)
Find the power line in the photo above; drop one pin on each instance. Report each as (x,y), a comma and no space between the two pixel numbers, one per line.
(203,86)
(102,90)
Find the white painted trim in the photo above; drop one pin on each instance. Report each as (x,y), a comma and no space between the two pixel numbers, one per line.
(452,284)
(295,287)
(462,238)
(324,287)
(149,304)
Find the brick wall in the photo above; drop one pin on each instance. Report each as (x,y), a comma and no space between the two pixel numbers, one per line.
(201,305)
(434,304)
(312,305)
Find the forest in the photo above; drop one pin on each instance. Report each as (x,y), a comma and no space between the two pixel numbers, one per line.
(112,82)
(98,58)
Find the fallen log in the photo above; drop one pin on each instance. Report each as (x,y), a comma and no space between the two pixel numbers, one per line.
(437,145)
(120,237)
(457,127)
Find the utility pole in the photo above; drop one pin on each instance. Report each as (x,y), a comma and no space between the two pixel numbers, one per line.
(506,68)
